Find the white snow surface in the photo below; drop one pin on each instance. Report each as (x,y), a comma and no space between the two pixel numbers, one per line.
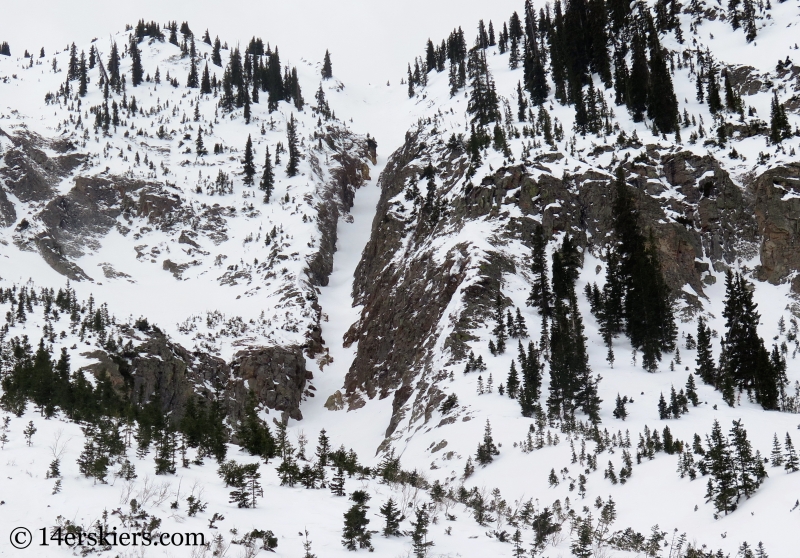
(370,42)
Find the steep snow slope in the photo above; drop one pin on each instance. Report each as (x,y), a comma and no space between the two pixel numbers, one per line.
(655,494)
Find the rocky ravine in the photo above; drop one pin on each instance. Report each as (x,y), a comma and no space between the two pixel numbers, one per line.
(425,286)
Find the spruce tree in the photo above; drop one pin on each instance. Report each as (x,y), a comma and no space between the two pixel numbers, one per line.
(199,146)
(355,534)
(779,123)
(83,80)
(327,68)
(776,457)
(540,295)
(718,462)
(193,81)
(291,146)
(337,483)
(113,67)
(392,516)
(791,462)
(486,449)
(419,536)
(137,72)
(512,382)
(205,83)
(267,182)
(249,168)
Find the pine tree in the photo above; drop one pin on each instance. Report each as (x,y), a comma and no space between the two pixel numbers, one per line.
(749,468)
(83,80)
(137,72)
(663,410)
(779,123)
(691,392)
(791,462)
(355,534)
(205,83)
(419,536)
(512,382)
(649,319)
(722,490)
(199,146)
(540,295)
(291,145)
(337,482)
(705,360)
(193,81)
(113,67)
(267,182)
(487,449)
(619,410)
(327,68)
(393,516)
(249,168)
(776,457)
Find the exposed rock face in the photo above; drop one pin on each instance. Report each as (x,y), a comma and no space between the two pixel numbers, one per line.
(277,375)
(161,368)
(424,287)
(777,211)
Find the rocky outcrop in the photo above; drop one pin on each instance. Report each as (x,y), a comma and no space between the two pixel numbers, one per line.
(159,368)
(777,212)
(407,283)
(277,375)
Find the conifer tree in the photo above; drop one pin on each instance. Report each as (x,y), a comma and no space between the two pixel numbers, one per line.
(249,168)
(291,146)
(337,483)
(113,67)
(691,392)
(137,72)
(649,320)
(718,462)
(327,68)
(193,81)
(512,382)
(619,410)
(744,361)
(392,516)
(779,123)
(540,295)
(419,536)
(748,468)
(83,80)
(216,53)
(791,462)
(355,534)
(267,182)
(776,457)
(205,83)
(486,449)
(199,146)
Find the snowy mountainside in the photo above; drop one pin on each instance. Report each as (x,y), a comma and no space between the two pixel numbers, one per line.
(388,349)
(138,211)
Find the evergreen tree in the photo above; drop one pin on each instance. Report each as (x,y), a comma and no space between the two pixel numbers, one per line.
(137,72)
(619,410)
(639,78)
(249,168)
(337,482)
(776,457)
(718,462)
(419,536)
(487,449)
(744,361)
(705,360)
(291,145)
(393,516)
(193,81)
(199,146)
(83,81)
(791,462)
(649,320)
(327,68)
(779,123)
(691,392)
(205,83)
(355,534)
(540,295)
(113,67)
(267,182)
(512,382)
(216,53)
(483,102)
(749,468)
